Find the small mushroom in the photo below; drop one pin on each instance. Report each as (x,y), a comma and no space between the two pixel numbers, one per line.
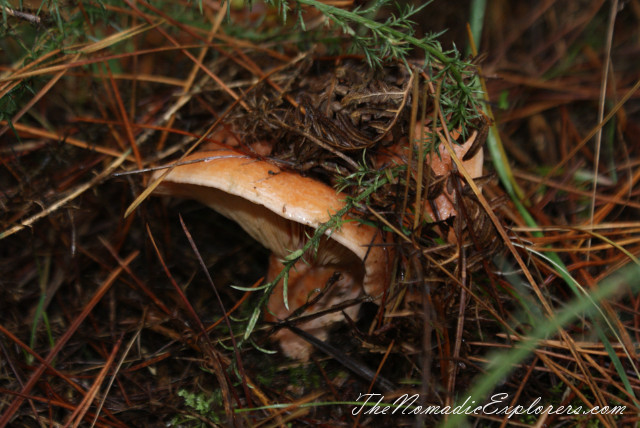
(280,209)
(441,164)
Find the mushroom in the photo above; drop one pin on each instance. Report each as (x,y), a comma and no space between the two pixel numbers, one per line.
(441,164)
(279,209)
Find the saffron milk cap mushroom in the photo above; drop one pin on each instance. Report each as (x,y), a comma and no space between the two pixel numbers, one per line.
(441,164)
(280,209)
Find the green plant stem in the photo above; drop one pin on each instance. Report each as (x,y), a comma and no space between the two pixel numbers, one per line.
(476,20)
(379,27)
(393,35)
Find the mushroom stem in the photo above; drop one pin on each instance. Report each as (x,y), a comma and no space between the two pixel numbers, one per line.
(316,288)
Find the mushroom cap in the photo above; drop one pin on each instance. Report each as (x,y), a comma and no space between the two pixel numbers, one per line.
(278,208)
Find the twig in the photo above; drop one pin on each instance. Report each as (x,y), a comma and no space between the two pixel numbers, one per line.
(77,192)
